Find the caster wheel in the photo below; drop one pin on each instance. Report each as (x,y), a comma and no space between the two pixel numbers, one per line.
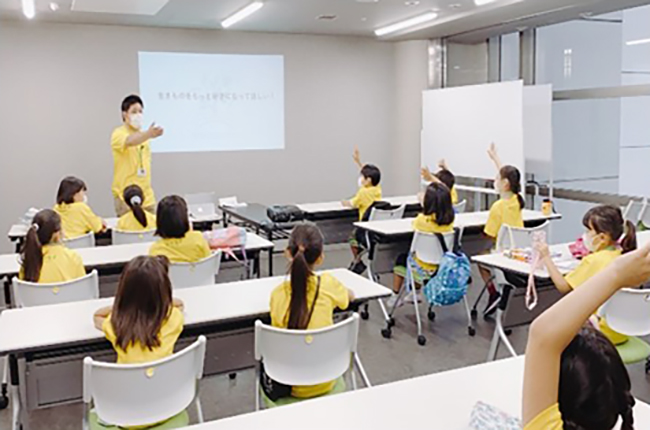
(4,402)
(422,340)
(474,314)
(508,332)
(391,322)
(471,331)
(232,376)
(364,315)
(386,333)
(432,316)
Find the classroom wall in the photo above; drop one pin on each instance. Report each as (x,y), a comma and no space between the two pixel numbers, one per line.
(62,85)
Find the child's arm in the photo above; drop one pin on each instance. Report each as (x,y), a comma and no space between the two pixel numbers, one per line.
(552,332)
(347,203)
(100,316)
(494,156)
(428,176)
(558,279)
(356,156)
(178,303)
(443,164)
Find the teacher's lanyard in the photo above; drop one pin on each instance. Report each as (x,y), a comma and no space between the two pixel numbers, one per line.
(140,158)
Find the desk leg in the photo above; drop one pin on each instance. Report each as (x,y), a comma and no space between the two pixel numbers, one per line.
(19,245)
(258,266)
(7,288)
(270,237)
(499,332)
(18,413)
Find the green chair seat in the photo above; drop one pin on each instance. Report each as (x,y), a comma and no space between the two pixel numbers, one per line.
(179,421)
(634,350)
(339,387)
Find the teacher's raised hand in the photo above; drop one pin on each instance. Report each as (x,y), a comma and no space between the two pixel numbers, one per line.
(155,131)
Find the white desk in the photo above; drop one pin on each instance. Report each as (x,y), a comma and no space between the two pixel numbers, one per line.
(442,401)
(465,221)
(329,207)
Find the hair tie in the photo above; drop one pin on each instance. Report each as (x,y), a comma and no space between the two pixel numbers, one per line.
(35,227)
(136,200)
(301,248)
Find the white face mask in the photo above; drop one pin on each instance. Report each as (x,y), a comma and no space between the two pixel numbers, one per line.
(136,120)
(360,181)
(85,200)
(588,242)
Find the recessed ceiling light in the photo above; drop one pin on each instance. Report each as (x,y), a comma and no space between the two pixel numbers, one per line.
(637,42)
(242,13)
(29,8)
(482,2)
(455,6)
(326,17)
(54,6)
(364,19)
(411,3)
(367,1)
(412,22)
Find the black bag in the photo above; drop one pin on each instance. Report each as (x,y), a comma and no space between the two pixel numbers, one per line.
(273,389)
(286,213)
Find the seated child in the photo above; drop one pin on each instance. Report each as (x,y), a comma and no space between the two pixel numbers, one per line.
(136,219)
(77,219)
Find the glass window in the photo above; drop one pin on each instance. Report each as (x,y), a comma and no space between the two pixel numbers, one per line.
(466,64)
(510,57)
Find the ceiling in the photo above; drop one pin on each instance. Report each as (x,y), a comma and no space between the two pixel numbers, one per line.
(354,17)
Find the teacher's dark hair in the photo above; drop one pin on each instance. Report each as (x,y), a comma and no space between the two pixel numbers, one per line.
(172,220)
(130,101)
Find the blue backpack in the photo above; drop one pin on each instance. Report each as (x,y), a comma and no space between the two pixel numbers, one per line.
(449,285)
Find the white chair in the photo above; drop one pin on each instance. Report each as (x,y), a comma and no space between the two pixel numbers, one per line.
(634,210)
(85,241)
(427,248)
(27,294)
(202,204)
(460,207)
(508,238)
(308,357)
(129,395)
(644,214)
(201,273)
(120,237)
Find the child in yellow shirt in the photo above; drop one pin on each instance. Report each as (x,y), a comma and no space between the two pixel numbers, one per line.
(144,322)
(574,377)
(72,205)
(136,219)
(443,176)
(44,259)
(177,240)
(604,227)
(505,211)
(437,217)
(369,192)
(307,301)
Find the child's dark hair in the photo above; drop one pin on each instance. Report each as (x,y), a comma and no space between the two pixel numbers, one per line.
(68,188)
(609,220)
(513,176)
(134,197)
(371,171)
(594,387)
(172,220)
(437,201)
(130,101)
(46,223)
(447,178)
(305,247)
(142,303)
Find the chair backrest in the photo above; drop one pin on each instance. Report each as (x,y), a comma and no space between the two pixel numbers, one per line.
(427,248)
(129,395)
(27,294)
(201,204)
(515,237)
(201,273)
(628,312)
(120,237)
(387,214)
(460,207)
(85,241)
(307,357)
(644,213)
(635,210)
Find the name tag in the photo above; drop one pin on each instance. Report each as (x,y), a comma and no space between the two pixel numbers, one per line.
(142,173)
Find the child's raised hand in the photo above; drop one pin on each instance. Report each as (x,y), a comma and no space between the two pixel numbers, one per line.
(443,164)
(356,156)
(633,269)
(427,175)
(492,151)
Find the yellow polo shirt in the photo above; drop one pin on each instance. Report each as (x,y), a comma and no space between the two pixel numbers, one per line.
(127,161)
(427,224)
(128,222)
(454,196)
(588,267)
(332,295)
(364,198)
(135,353)
(550,419)
(189,249)
(60,264)
(504,211)
(78,219)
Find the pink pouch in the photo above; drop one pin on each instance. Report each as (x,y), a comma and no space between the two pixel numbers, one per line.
(227,239)
(578,249)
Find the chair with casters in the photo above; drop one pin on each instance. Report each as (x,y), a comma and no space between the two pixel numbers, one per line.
(85,241)
(130,395)
(201,273)
(120,237)
(307,357)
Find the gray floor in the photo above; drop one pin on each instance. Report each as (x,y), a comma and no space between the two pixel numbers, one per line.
(448,347)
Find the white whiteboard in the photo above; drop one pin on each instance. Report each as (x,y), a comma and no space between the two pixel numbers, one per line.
(458,124)
(538,135)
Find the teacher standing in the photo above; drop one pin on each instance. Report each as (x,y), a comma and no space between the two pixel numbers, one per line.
(132,155)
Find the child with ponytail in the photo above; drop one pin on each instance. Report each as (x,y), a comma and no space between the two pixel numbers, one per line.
(137,219)
(44,259)
(306,300)
(607,236)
